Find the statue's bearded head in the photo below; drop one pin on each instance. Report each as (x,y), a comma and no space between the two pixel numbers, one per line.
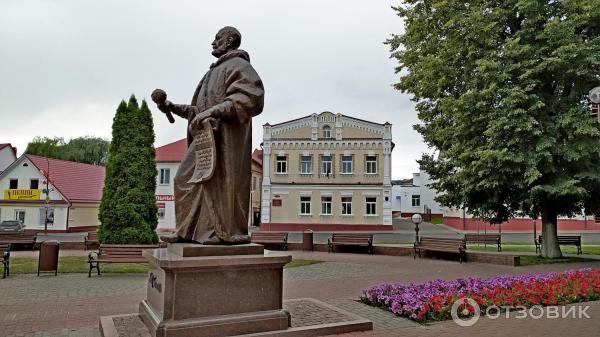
(228,38)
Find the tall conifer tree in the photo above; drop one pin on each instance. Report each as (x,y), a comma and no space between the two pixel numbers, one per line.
(128,207)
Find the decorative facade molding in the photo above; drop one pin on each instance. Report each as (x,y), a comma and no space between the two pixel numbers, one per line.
(339,121)
(362,144)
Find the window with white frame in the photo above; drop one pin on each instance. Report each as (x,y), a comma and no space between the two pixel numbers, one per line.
(305,205)
(44,215)
(326,131)
(326,165)
(161,211)
(281,164)
(164,176)
(371,206)
(305,164)
(20,215)
(416,200)
(13,184)
(371,162)
(346,205)
(347,164)
(325,205)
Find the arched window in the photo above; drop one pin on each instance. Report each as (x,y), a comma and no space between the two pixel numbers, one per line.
(326,131)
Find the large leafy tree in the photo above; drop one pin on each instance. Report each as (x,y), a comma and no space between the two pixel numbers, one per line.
(88,149)
(46,147)
(128,208)
(501,88)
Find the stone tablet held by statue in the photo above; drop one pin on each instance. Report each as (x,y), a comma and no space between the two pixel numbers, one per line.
(205,149)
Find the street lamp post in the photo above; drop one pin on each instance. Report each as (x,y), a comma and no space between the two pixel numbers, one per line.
(417,218)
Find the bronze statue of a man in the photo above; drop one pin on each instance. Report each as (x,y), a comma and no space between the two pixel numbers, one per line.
(215,211)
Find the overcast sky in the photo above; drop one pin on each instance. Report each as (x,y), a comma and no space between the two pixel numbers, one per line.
(65,65)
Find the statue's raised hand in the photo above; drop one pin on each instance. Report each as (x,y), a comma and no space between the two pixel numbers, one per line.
(159,97)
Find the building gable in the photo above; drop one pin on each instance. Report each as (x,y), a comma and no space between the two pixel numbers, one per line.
(354,128)
(327,125)
(8,155)
(23,170)
(300,128)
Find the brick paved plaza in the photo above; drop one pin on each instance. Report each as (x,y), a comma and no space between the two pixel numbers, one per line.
(71,304)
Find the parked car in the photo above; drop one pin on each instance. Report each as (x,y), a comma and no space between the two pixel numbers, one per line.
(11,226)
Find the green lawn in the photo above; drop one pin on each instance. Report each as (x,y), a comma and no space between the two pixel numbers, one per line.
(527,260)
(73,264)
(301,263)
(78,264)
(594,250)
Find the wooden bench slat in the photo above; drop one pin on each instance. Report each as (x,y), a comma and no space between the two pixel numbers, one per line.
(446,245)
(271,238)
(122,260)
(350,239)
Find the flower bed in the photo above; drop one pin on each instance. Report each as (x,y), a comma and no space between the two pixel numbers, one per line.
(433,300)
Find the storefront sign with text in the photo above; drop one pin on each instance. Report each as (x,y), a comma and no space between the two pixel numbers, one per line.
(21,194)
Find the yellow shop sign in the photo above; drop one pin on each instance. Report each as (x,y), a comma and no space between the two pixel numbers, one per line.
(21,194)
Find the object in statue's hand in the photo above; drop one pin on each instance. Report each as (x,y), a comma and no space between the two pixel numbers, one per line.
(159,97)
(198,124)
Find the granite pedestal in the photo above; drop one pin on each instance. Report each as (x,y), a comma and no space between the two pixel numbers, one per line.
(197,290)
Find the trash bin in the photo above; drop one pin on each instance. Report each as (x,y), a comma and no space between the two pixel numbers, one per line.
(307,240)
(48,259)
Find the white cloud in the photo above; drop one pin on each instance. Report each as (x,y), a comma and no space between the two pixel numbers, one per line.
(66,65)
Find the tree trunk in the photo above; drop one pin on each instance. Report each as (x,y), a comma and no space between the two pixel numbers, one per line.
(550,247)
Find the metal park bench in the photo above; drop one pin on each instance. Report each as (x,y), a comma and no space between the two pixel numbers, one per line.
(117,254)
(22,238)
(5,252)
(270,238)
(494,239)
(91,240)
(573,240)
(350,239)
(456,246)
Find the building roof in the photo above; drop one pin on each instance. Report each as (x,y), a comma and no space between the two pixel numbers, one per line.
(326,112)
(77,182)
(404,182)
(257,160)
(172,152)
(14,149)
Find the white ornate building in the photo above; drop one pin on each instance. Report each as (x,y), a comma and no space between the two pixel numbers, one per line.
(327,172)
